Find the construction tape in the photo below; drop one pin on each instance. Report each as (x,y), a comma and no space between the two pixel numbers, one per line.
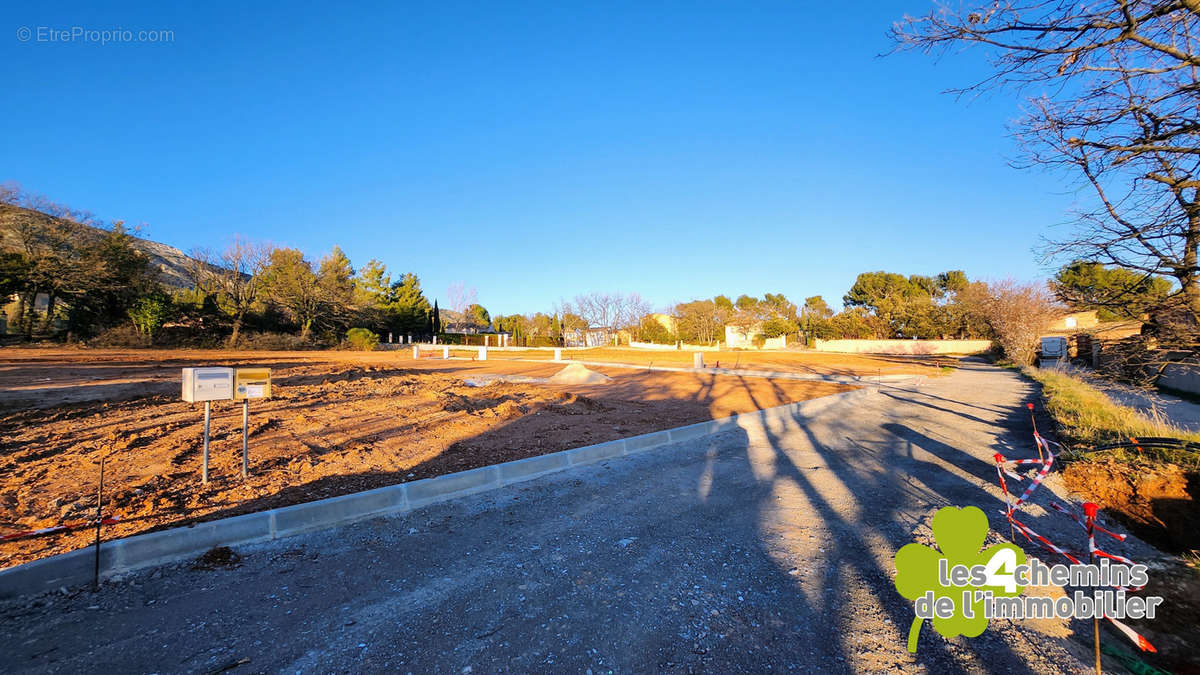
(65,527)
(1064,510)
(1088,522)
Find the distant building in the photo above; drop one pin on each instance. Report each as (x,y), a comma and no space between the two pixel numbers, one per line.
(742,336)
(1075,321)
(597,336)
(751,337)
(666,321)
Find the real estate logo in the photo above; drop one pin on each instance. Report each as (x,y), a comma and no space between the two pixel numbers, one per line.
(956,610)
(960,588)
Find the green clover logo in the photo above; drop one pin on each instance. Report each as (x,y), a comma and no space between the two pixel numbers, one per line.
(959,534)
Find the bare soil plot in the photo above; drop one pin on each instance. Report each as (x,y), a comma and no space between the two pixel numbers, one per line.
(814,363)
(340,423)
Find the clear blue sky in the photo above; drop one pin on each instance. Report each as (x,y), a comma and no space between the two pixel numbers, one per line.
(533,151)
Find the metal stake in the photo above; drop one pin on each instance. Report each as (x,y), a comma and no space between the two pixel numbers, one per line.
(207,416)
(1089,512)
(99,517)
(245,437)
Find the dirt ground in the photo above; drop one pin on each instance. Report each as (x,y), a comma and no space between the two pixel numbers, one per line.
(49,377)
(338,423)
(815,363)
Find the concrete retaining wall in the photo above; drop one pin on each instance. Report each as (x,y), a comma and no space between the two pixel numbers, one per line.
(144,550)
(1180,378)
(915,347)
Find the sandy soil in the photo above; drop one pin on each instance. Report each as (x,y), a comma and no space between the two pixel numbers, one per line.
(50,377)
(816,363)
(339,423)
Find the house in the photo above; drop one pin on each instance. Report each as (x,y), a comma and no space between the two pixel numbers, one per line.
(742,337)
(747,337)
(670,323)
(1073,322)
(598,336)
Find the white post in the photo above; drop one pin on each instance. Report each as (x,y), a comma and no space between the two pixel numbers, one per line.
(435,339)
(245,437)
(416,352)
(698,360)
(483,353)
(410,339)
(204,466)
(389,337)
(445,352)
(558,354)
(485,340)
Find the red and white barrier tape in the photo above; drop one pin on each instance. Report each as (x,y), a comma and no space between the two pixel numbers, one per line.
(1088,522)
(65,527)
(1064,510)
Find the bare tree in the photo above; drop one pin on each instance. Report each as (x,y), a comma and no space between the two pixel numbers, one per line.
(609,311)
(459,299)
(235,275)
(1114,108)
(1018,313)
(630,310)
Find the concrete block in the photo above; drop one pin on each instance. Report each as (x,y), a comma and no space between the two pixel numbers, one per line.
(717,426)
(557,354)
(646,441)
(69,569)
(690,431)
(432,490)
(337,510)
(158,547)
(698,359)
(594,453)
(524,469)
(483,353)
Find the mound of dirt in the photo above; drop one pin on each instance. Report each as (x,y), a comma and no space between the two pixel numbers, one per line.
(576,373)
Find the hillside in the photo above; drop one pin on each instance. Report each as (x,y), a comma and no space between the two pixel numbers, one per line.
(174,267)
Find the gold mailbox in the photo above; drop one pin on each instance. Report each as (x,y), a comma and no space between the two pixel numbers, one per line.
(251,383)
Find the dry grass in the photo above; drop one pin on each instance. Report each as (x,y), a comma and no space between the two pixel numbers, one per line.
(1087,417)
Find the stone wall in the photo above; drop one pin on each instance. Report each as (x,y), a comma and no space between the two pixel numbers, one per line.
(916,347)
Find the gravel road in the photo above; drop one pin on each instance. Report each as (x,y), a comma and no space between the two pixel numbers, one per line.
(755,550)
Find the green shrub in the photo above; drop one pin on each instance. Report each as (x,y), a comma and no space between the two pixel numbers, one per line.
(150,312)
(651,330)
(777,325)
(362,339)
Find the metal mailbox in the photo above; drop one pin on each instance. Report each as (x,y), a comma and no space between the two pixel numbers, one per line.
(251,383)
(207,384)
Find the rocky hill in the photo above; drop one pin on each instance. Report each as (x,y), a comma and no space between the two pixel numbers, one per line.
(174,266)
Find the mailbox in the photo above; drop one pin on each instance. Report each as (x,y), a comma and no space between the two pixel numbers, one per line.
(207,384)
(252,383)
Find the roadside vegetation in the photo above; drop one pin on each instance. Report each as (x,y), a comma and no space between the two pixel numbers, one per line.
(1086,418)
